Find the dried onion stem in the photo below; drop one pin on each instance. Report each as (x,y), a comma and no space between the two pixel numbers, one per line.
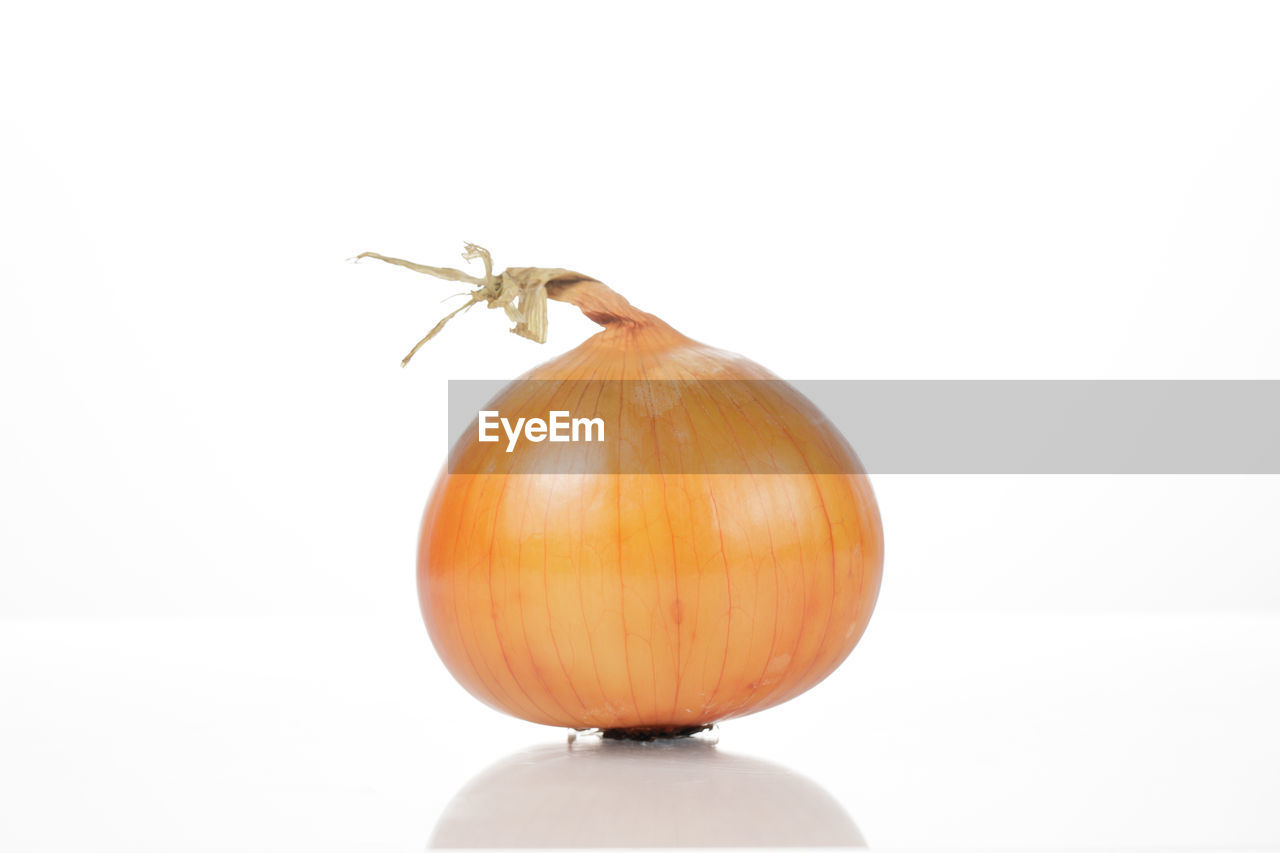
(522,292)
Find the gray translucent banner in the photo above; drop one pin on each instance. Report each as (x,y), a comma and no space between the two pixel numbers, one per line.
(895,427)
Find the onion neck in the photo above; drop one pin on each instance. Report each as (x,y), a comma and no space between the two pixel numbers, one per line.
(600,303)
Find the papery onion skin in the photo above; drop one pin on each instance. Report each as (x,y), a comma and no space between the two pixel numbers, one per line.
(649,602)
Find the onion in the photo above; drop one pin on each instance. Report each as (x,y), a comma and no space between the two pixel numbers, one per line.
(645,604)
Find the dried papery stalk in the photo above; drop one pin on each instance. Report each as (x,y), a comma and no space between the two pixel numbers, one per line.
(522,292)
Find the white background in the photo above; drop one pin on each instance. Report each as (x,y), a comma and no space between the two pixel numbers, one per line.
(212,465)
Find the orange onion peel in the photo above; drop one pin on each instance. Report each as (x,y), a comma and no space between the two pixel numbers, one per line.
(645,604)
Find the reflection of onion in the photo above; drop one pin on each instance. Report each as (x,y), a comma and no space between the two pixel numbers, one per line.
(682,793)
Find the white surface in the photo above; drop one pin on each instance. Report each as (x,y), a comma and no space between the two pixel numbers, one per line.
(1035,730)
(211,468)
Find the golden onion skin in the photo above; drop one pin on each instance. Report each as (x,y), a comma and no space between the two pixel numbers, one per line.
(650,602)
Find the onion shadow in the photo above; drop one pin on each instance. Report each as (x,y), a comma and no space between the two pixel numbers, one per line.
(611,794)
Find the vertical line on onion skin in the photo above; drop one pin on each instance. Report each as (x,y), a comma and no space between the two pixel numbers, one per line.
(710,699)
(817,669)
(703,484)
(778,423)
(433,597)
(671,534)
(652,632)
(804,586)
(712,408)
(759,489)
(546,520)
(484,596)
(586,622)
(476,560)
(697,600)
(634,372)
(804,675)
(792,498)
(525,481)
(639,569)
(826,627)
(732,486)
(546,594)
(575,370)
(693,404)
(869,543)
(777,618)
(557,396)
(746,491)
(684,664)
(497,629)
(728,584)
(712,483)
(866,564)
(781,683)
(621,568)
(491,510)
(788,495)
(492,679)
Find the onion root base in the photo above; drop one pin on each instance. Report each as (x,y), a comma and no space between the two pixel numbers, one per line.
(643,733)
